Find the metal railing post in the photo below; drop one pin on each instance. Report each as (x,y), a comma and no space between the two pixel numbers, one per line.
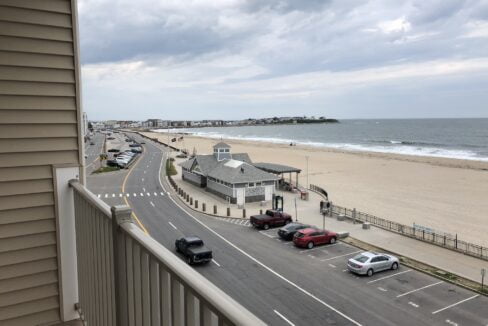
(120,215)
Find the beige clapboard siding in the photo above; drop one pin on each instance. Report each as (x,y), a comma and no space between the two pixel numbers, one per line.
(28,295)
(61,6)
(38,131)
(12,87)
(29,200)
(28,241)
(12,43)
(37,74)
(36,31)
(33,16)
(39,145)
(40,158)
(26,308)
(10,188)
(25,173)
(37,117)
(26,214)
(15,102)
(27,255)
(24,229)
(25,282)
(22,59)
(47,318)
(28,268)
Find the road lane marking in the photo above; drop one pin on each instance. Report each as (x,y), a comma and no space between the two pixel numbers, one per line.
(455,304)
(142,195)
(383,278)
(120,195)
(213,261)
(345,270)
(333,266)
(155,194)
(113,195)
(382,289)
(269,269)
(99,195)
(351,253)
(152,204)
(424,287)
(162,194)
(413,304)
(144,189)
(142,179)
(284,318)
(127,195)
(311,256)
(106,195)
(173,225)
(268,235)
(148,194)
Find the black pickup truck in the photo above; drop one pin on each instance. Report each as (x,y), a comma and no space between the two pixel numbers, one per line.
(270,218)
(193,250)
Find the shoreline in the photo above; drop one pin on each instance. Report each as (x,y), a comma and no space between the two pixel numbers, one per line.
(433,160)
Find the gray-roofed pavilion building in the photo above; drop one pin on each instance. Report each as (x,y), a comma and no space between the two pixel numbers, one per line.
(230,176)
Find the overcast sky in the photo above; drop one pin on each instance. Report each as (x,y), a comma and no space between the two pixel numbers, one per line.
(233,59)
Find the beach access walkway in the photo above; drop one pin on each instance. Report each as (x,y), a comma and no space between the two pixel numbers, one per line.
(307,211)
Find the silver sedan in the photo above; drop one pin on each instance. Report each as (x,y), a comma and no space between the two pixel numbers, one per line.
(368,263)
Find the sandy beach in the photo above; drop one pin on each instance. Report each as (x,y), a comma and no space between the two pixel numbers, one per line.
(448,195)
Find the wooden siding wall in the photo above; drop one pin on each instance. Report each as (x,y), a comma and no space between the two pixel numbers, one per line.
(38,129)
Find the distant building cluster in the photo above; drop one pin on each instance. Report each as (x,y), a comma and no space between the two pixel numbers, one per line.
(159,123)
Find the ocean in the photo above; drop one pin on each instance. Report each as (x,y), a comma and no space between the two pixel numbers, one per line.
(449,138)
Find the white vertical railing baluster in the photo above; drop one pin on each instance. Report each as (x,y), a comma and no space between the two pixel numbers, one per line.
(154,288)
(145,290)
(165,296)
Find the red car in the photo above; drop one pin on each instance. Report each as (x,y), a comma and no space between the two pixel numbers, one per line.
(307,238)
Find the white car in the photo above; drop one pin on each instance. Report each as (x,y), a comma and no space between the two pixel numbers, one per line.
(368,263)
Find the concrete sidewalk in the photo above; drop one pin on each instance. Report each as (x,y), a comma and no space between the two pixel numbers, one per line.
(308,212)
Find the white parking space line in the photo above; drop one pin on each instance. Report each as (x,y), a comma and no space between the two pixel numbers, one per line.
(351,253)
(152,204)
(385,277)
(284,318)
(413,304)
(266,234)
(174,227)
(311,256)
(419,289)
(450,322)
(455,304)
(213,261)
(382,289)
(333,266)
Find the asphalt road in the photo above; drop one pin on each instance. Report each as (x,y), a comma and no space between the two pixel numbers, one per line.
(281,284)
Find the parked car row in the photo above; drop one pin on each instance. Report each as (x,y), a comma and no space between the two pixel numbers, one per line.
(122,159)
(309,236)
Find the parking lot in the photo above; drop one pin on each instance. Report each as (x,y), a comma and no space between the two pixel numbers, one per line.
(437,302)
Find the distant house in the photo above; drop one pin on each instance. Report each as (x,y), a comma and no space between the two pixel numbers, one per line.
(230,176)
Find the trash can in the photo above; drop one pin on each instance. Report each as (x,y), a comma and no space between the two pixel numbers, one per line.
(304,195)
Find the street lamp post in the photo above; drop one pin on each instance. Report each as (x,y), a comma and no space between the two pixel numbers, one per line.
(307,172)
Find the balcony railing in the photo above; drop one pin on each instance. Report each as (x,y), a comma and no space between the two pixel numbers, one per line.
(127,278)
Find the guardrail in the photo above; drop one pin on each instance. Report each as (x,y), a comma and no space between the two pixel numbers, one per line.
(127,278)
(319,190)
(444,240)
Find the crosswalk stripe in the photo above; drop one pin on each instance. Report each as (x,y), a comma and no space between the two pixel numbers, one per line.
(135,195)
(155,194)
(162,194)
(113,195)
(127,194)
(98,195)
(142,195)
(120,195)
(106,195)
(149,194)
